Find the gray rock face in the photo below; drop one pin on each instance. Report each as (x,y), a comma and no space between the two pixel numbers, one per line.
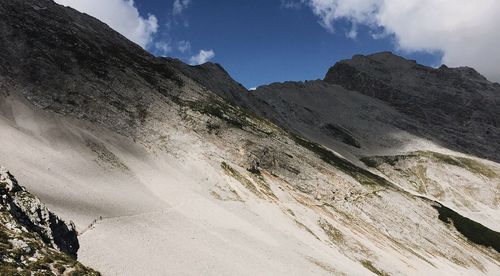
(456,107)
(215,78)
(32,214)
(71,63)
(191,152)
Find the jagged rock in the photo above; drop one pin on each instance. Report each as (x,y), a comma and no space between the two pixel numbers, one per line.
(31,237)
(65,60)
(30,212)
(172,171)
(455,106)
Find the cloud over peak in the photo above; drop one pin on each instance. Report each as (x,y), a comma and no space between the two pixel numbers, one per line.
(202,57)
(464,31)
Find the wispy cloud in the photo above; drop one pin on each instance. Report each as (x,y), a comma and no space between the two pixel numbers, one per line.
(179,6)
(202,57)
(291,4)
(465,31)
(121,15)
(162,48)
(184,46)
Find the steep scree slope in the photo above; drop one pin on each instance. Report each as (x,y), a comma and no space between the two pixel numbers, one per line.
(161,175)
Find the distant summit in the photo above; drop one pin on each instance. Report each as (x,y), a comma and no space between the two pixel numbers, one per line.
(458,105)
(385,167)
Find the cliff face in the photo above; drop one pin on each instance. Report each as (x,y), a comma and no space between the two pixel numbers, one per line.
(33,239)
(71,63)
(456,107)
(35,217)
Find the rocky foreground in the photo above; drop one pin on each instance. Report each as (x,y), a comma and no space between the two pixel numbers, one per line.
(34,241)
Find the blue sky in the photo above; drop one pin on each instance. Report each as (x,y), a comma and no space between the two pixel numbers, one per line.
(260,41)
(264,41)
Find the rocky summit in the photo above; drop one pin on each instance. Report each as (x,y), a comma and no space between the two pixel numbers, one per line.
(385,167)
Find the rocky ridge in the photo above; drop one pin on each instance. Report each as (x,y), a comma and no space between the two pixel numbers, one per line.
(456,107)
(153,146)
(365,108)
(33,239)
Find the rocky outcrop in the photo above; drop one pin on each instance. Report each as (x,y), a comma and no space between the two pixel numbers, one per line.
(63,60)
(214,77)
(32,238)
(456,107)
(32,214)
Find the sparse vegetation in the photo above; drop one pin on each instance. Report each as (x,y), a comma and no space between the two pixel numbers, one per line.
(469,164)
(105,156)
(324,266)
(362,176)
(235,117)
(36,257)
(303,226)
(368,265)
(341,134)
(240,178)
(466,163)
(473,231)
(259,186)
(333,233)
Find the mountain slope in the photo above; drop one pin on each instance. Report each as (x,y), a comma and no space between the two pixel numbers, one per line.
(360,126)
(457,107)
(161,175)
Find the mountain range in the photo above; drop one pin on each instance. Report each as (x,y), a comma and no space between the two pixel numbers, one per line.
(156,167)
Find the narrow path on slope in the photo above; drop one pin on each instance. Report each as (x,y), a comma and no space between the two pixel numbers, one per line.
(101,219)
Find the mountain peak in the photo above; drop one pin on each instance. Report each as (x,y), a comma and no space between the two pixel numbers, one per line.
(439,98)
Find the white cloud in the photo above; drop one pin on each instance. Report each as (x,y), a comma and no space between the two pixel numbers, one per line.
(184,46)
(291,4)
(162,48)
(353,32)
(465,31)
(179,6)
(121,15)
(202,57)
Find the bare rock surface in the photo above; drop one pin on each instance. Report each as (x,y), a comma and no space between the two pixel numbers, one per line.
(457,107)
(32,238)
(161,175)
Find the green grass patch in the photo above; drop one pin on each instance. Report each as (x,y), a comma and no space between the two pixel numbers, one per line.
(469,164)
(240,178)
(466,163)
(341,134)
(361,175)
(473,231)
(235,117)
(333,233)
(368,265)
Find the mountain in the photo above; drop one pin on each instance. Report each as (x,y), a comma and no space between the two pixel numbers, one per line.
(167,168)
(456,107)
(362,124)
